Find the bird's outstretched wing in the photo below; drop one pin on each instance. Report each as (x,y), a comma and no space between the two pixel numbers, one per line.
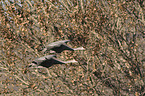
(61,48)
(46,57)
(49,62)
(57,43)
(38,61)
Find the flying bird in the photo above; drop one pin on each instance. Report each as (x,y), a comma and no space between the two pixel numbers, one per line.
(60,46)
(48,61)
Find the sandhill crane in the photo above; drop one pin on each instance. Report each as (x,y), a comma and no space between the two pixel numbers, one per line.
(48,61)
(60,46)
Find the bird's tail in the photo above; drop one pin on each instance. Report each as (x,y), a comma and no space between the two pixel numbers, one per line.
(31,65)
(71,61)
(79,48)
(44,50)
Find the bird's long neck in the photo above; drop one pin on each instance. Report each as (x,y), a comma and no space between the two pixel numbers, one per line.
(79,48)
(71,61)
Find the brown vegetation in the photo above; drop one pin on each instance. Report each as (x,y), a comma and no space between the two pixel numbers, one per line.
(112,32)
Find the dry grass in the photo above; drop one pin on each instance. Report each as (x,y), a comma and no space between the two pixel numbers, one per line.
(112,32)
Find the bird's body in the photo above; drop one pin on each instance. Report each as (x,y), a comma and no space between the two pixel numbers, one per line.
(48,61)
(60,46)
